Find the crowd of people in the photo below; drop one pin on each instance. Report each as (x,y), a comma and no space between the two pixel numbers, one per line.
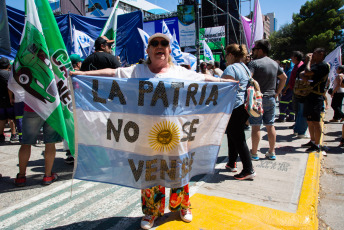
(276,80)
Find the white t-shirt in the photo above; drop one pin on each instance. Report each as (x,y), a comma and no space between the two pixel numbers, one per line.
(218,72)
(142,71)
(340,90)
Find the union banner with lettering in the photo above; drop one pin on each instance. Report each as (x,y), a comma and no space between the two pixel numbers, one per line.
(146,132)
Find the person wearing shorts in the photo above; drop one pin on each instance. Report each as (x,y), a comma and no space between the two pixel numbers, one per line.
(32,123)
(265,71)
(317,75)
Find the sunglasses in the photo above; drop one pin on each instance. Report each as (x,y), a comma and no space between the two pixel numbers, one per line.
(155,43)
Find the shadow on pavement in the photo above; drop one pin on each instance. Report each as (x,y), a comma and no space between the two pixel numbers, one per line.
(64,172)
(106,223)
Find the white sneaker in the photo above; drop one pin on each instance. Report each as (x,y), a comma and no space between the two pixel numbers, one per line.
(303,136)
(147,221)
(270,156)
(186,215)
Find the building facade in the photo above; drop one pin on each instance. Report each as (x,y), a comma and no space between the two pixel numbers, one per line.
(273,22)
(267,26)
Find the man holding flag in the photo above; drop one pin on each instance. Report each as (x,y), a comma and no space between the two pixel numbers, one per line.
(102,57)
(40,80)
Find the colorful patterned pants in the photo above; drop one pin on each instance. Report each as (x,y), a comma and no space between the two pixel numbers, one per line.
(153,200)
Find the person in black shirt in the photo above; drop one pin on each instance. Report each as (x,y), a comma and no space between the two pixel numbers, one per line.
(317,75)
(102,58)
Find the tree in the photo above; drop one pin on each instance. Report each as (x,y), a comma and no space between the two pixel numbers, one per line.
(282,42)
(319,24)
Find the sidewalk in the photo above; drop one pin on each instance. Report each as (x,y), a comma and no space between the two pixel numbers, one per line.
(284,194)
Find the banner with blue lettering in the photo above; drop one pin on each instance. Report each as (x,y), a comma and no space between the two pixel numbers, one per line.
(146,132)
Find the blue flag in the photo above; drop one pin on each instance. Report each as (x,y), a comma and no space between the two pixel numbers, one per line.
(146,132)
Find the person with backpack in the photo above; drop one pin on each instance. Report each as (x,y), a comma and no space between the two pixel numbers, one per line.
(316,73)
(265,71)
(237,145)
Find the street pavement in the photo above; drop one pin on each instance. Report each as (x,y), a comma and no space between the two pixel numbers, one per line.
(284,194)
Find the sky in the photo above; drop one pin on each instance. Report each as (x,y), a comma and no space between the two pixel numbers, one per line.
(283,9)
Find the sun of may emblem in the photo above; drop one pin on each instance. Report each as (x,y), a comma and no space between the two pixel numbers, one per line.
(164,136)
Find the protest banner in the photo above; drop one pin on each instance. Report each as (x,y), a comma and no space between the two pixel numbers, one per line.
(145,132)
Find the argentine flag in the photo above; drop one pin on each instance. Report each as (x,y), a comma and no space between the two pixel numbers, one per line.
(143,132)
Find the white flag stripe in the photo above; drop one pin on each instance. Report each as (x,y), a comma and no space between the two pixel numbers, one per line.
(97,122)
(31,213)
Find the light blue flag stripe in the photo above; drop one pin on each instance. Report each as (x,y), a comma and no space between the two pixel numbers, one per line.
(204,96)
(97,163)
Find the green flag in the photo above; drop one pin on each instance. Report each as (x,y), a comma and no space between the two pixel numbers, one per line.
(110,27)
(41,70)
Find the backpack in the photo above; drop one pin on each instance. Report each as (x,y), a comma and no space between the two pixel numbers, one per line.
(254,98)
(304,88)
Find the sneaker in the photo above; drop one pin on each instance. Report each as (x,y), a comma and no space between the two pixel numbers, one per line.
(270,156)
(280,120)
(245,175)
(308,144)
(2,138)
(186,215)
(14,137)
(20,181)
(47,180)
(247,127)
(147,221)
(313,148)
(303,136)
(69,160)
(255,157)
(290,120)
(234,169)
(341,144)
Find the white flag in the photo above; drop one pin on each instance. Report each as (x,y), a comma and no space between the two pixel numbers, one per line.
(110,27)
(207,51)
(144,37)
(82,43)
(258,27)
(166,31)
(334,59)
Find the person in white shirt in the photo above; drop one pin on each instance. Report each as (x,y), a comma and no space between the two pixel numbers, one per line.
(158,65)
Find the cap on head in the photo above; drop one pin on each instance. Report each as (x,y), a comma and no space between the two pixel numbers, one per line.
(4,63)
(159,35)
(75,58)
(102,40)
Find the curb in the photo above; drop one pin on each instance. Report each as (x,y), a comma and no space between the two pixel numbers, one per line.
(210,212)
